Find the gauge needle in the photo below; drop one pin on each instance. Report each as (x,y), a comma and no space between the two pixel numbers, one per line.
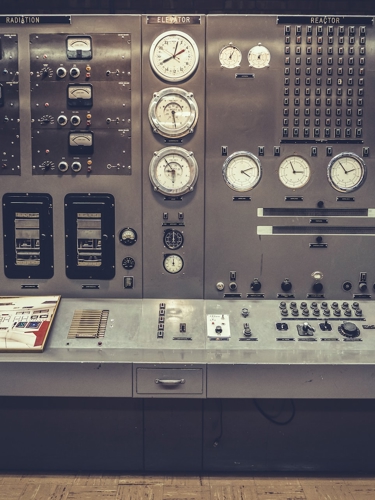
(231,54)
(343,167)
(175,49)
(174,118)
(173,56)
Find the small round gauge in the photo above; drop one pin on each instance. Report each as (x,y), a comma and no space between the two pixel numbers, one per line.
(259,57)
(128,263)
(242,171)
(46,120)
(173,112)
(174,56)
(346,172)
(173,171)
(128,236)
(294,172)
(173,239)
(230,56)
(173,263)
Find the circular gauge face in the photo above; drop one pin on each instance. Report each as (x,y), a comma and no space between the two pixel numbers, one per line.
(346,172)
(230,56)
(294,172)
(173,112)
(174,56)
(173,263)
(242,171)
(259,56)
(128,263)
(173,239)
(128,236)
(173,171)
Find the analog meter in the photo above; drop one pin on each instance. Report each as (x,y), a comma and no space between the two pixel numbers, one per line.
(173,112)
(230,56)
(294,172)
(173,239)
(242,171)
(173,263)
(259,57)
(174,56)
(346,172)
(173,171)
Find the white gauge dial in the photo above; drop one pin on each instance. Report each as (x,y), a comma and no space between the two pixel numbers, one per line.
(173,112)
(173,171)
(259,57)
(78,43)
(230,56)
(294,172)
(173,263)
(242,171)
(174,56)
(346,172)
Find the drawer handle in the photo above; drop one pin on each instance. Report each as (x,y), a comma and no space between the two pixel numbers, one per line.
(169,382)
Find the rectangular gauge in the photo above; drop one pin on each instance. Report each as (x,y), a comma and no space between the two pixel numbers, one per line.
(81,143)
(80,96)
(79,47)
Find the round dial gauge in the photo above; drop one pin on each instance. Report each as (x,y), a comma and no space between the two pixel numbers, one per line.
(173,239)
(346,172)
(173,171)
(294,172)
(173,263)
(259,57)
(173,112)
(230,56)
(174,56)
(242,171)
(128,236)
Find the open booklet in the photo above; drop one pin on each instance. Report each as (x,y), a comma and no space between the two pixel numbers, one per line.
(26,321)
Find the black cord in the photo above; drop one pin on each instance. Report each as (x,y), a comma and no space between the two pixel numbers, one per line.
(271,419)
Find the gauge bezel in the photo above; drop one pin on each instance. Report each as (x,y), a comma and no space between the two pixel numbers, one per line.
(171,247)
(188,156)
(259,46)
(173,255)
(195,51)
(362,165)
(186,128)
(227,46)
(305,162)
(229,160)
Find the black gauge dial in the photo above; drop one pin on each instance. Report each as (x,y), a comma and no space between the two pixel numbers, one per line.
(128,236)
(173,239)
(128,263)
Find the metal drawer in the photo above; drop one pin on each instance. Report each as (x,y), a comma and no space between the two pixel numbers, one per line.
(169,382)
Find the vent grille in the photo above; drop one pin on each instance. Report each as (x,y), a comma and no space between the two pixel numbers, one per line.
(322,230)
(316,212)
(88,324)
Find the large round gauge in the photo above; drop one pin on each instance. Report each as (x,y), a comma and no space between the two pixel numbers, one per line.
(173,112)
(173,239)
(242,171)
(230,56)
(346,172)
(259,57)
(174,56)
(173,263)
(173,171)
(294,172)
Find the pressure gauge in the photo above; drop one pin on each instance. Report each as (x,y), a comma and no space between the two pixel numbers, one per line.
(173,263)
(242,171)
(173,171)
(173,239)
(78,47)
(128,236)
(173,112)
(174,56)
(259,57)
(294,172)
(346,172)
(230,56)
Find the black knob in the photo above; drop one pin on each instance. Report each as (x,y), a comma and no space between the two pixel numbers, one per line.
(317,287)
(255,285)
(233,286)
(286,285)
(320,204)
(362,286)
(349,330)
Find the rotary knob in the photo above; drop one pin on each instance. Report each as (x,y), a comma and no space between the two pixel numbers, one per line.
(349,330)
(286,285)
(255,285)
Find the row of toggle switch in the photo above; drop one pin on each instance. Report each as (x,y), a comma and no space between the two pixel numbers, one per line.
(334,309)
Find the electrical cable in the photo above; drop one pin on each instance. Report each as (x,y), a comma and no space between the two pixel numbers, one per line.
(272,419)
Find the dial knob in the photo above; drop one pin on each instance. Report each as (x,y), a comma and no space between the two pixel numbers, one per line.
(349,330)
(362,287)
(255,285)
(317,287)
(286,285)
